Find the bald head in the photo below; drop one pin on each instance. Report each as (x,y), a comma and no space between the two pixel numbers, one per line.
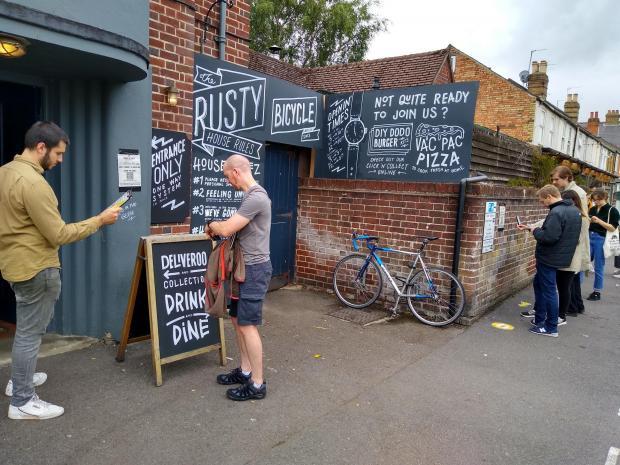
(238,162)
(238,172)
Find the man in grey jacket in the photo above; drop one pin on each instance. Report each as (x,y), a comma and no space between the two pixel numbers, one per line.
(556,241)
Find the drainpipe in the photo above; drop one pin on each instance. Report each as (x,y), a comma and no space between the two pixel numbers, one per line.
(575,141)
(459,220)
(221,40)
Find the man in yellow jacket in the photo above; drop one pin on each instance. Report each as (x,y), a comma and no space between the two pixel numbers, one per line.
(31,232)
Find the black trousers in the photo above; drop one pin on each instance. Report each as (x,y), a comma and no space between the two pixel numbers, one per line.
(564,281)
(576,302)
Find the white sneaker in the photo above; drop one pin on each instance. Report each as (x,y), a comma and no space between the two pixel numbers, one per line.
(35,409)
(616,275)
(37,379)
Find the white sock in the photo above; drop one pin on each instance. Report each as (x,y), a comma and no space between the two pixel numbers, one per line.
(246,373)
(258,386)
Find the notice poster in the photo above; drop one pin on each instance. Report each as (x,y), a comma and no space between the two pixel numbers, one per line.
(488,234)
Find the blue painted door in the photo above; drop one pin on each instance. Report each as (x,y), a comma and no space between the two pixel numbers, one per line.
(281,183)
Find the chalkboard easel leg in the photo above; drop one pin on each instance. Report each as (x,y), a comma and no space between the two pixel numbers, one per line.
(157,370)
(131,302)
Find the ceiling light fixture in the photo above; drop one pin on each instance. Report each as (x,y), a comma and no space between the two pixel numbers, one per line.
(12,47)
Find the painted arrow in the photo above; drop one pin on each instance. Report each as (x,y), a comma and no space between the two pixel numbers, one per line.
(169,273)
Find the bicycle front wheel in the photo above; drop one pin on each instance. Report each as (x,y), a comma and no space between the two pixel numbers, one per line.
(439,298)
(357,282)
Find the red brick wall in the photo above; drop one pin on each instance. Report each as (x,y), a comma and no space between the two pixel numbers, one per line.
(500,103)
(330,210)
(175,34)
(491,277)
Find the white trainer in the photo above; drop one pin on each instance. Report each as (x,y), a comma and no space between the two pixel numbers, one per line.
(35,409)
(38,379)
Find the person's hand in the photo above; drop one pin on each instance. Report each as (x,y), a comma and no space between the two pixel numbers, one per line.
(595,219)
(524,227)
(109,215)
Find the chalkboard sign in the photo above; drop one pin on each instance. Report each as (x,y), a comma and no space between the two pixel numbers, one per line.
(410,134)
(237,110)
(170,170)
(212,197)
(169,275)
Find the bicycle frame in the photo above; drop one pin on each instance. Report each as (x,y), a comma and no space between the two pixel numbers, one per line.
(373,255)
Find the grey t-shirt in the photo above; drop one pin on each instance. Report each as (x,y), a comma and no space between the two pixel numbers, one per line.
(254,237)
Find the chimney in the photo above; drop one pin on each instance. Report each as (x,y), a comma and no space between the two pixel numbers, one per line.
(537,81)
(571,107)
(612,117)
(593,122)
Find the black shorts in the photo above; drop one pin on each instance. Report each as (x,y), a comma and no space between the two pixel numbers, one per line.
(248,309)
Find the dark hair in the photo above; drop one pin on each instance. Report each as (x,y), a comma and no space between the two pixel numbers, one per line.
(599,194)
(572,195)
(563,172)
(47,132)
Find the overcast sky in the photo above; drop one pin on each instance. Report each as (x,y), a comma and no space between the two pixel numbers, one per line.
(582,38)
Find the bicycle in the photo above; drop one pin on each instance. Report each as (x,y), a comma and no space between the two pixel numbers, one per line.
(435,297)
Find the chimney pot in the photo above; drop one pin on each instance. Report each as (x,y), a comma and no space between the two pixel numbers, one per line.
(612,117)
(542,67)
(538,80)
(571,108)
(594,123)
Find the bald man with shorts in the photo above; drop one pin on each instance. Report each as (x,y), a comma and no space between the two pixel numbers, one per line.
(252,223)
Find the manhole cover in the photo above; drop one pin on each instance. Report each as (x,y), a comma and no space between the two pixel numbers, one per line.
(360,317)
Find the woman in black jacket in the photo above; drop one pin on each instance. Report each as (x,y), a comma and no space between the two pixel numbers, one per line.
(603,218)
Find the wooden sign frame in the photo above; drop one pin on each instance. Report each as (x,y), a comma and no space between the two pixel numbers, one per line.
(145,256)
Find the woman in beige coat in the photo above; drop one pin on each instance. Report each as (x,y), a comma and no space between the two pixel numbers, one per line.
(566,277)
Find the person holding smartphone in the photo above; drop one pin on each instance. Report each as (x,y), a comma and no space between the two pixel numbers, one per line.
(556,241)
(31,233)
(603,218)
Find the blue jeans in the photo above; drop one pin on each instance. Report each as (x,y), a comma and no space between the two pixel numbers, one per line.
(34,310)
(596,254)
(546,294)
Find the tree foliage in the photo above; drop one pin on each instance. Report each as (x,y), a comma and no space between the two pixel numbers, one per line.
(314,32)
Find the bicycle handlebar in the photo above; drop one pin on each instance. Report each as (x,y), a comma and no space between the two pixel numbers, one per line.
(362,237)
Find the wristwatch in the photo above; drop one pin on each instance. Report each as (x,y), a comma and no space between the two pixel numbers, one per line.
(354,133)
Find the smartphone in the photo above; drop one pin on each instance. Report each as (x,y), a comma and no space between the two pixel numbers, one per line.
(518,220)
(123,199)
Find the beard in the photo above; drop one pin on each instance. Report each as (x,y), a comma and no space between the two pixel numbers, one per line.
(45,162)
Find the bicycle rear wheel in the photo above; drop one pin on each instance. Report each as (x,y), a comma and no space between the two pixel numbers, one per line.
(441,298)
(357,283)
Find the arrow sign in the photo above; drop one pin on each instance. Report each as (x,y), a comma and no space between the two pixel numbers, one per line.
(169,273)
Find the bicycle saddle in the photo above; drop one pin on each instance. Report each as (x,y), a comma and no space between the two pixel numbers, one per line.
(428,239)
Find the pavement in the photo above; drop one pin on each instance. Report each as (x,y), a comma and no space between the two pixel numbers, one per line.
(339,393)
